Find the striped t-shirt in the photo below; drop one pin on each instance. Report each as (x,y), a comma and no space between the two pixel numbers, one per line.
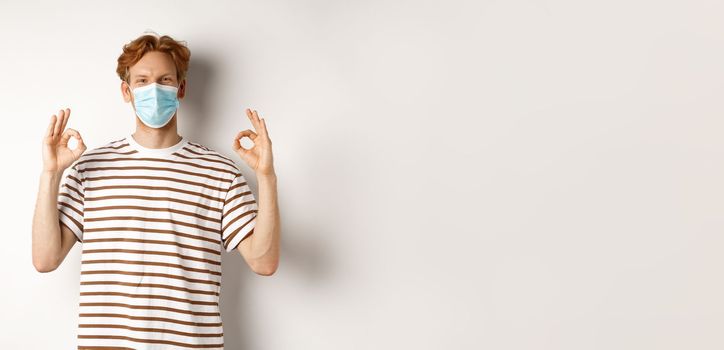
(152,223)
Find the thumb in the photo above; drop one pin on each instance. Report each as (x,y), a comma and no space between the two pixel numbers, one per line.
(80,147)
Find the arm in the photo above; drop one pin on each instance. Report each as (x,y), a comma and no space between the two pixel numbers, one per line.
(260,249)
(52,241)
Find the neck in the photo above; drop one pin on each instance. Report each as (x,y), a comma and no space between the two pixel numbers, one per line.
(164,137)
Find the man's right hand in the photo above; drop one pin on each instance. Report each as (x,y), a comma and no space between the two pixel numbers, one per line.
(56,154)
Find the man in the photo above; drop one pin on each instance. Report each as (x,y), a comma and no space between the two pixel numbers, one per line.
(153,210)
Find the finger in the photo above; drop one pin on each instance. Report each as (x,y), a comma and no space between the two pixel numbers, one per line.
(51,126)
(65,137)
(236,146)
(250,114)
(248,133)
(56,131)
(263,128)
(258,121)
(68,133)
(262,125)
(253,118)
(65,122)
(81,147)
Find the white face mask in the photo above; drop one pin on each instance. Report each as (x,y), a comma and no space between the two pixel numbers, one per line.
(155,104)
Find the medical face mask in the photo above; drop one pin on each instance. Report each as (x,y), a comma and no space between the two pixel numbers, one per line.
(155,104)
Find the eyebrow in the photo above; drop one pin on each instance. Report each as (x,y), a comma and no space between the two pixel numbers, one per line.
(146,76)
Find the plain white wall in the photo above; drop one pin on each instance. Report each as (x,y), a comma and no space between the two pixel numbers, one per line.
(452,175)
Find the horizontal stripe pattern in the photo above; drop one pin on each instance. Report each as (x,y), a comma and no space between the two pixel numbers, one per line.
(238,214)
(152,224)
(71,202)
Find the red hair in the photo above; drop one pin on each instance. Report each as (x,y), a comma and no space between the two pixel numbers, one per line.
(134,51)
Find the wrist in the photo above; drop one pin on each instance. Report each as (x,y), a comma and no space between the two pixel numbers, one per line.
(51,173)
(266,177)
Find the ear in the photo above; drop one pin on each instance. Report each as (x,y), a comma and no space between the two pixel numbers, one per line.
(126,91)
(182,89)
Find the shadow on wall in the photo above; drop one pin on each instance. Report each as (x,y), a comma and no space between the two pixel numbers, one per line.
(304,258)
(195,112)
(197,119)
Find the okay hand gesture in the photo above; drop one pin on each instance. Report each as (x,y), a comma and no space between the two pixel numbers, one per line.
(259,156)
(56,154)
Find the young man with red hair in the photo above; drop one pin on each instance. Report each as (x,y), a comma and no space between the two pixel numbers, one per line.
(153,210)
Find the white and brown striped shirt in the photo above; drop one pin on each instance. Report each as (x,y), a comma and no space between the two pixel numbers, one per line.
(152,223)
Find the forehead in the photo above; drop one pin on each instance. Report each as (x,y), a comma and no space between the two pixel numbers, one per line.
(153,63)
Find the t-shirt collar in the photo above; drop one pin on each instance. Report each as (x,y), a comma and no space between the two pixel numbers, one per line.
(155,151)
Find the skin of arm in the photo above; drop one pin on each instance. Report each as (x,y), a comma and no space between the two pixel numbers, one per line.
(52,241)
(260,249)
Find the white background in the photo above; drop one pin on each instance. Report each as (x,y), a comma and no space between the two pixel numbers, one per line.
(452,175)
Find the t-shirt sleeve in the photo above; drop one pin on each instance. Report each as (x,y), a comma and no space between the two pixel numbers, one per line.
(70,202)
(238,215)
